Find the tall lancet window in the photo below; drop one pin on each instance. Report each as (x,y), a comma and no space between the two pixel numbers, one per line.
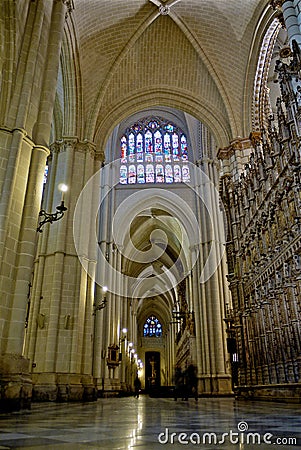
(153,150)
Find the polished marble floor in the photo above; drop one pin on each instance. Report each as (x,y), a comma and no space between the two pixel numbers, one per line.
(150,423)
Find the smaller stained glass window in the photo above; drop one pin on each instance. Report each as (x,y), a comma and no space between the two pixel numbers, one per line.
(159,173)
(150,176)
(123,174)
(148,142)
(152,327)
(168,174)
(139,148)
(185,174)
(140,173)
(158,143)
(184,148)
(177,174)
(123,145)
(169,127)
(132,174)
(131,148)
(45,174)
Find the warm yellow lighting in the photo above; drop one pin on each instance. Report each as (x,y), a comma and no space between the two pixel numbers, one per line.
(63,187)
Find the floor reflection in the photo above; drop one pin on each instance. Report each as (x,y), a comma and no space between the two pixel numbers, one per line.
(150,423)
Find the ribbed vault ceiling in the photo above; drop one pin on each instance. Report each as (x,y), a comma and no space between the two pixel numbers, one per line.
(197,58)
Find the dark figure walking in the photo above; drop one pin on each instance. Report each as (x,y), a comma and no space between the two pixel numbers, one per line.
(179,383)
(137,386)
(192,381)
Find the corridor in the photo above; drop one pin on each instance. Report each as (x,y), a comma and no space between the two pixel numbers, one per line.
(150,423)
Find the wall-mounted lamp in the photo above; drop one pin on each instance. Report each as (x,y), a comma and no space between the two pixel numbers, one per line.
(132,355)
(140,364)
(102,304)
(123,336)
(53,217)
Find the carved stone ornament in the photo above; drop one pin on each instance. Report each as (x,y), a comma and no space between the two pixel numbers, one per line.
(277,4)
(164,10)
(69,4)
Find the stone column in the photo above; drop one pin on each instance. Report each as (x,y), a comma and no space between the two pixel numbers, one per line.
(61,324)
(209,297)
(222,293)
(22,182)
(27,247)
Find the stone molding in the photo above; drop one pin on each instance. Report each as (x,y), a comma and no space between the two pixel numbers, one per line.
(84,146)
(237,145)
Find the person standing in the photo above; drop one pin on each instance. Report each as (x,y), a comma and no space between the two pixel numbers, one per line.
(137,386)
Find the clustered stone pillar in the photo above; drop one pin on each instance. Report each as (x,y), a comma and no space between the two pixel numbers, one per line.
(60,331)
(209,297)
(29,113)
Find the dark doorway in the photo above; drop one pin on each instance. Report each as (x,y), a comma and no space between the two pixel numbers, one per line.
(152,371)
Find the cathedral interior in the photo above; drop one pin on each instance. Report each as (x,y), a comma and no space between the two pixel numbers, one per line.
(150,205)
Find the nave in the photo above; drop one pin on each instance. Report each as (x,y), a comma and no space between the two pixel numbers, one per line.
(153,423)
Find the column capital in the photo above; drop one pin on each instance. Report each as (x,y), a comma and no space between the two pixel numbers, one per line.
(42,148)
(86,147)
(73,142)
(55,147)
(99,156)
(69,141)
(61,144)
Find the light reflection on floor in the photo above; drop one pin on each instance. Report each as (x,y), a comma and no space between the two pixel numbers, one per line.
(149,423)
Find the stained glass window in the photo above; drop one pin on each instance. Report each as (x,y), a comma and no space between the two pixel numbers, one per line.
(177,174)
(152,327)
(140,173)
(123,174)
(45,174)
(154,150)
(150,175)
(132,174)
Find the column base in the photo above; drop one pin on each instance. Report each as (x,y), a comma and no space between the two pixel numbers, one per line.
(15,383)
(288,393)
(215,385)
(63,387)
(111,387)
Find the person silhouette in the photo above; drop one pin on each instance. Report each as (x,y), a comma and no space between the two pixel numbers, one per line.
(137,386)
